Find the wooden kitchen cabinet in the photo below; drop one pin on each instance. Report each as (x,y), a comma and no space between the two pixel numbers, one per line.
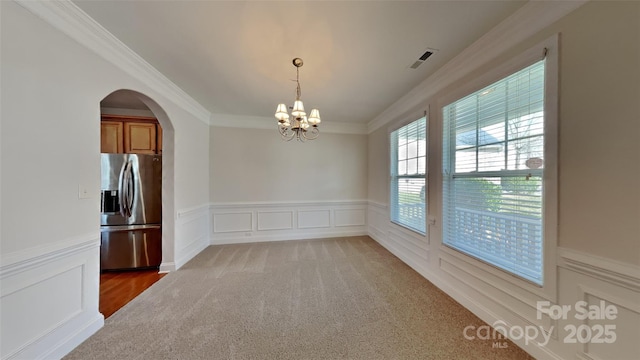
(130,135)
(139,138)
(111,137)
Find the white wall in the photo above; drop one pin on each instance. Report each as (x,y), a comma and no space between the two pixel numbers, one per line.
(264,188)
(50,92)
(599,128)
(256,165)
(599,197)
(378,171)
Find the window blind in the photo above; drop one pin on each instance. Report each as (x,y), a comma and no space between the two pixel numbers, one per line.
(493,166)
(408,175)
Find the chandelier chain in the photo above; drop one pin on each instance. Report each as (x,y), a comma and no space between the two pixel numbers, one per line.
(298,91)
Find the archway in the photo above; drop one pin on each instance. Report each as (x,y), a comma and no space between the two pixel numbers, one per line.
(132,104)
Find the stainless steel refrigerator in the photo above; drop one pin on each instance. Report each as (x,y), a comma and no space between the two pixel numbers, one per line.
(131,211)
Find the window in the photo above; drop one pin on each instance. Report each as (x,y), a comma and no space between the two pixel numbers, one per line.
(493,166)
(408,175)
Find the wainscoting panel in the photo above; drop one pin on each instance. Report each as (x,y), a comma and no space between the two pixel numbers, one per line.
(601,283)
(309,219)
(276,221)
(49,302)
(232,222)
(378,220)
(350,217)
(36,320)
(627,327)
(412,247)
(192,233)
(409,246)
(514,299)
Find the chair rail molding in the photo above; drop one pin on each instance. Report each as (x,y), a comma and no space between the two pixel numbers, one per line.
(26,259)
(621,274)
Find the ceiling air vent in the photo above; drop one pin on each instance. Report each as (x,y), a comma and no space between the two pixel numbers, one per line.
(422,58)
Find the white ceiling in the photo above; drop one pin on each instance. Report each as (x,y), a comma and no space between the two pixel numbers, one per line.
(234,57)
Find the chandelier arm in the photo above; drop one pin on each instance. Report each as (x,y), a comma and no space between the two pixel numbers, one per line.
(312,133)
(286,133)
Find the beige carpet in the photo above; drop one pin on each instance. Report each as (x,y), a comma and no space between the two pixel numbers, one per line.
(343,298)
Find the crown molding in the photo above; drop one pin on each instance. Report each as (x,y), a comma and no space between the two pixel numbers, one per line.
(531,18)
(269,123)
(65,16)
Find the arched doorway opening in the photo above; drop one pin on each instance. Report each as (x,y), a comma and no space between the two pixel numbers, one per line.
(137,240)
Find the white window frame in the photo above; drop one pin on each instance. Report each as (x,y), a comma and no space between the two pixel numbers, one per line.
(550,47)
(425,176)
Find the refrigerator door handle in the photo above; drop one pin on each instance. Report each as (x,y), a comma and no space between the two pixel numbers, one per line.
(130,189)
(125,189)
(121,190)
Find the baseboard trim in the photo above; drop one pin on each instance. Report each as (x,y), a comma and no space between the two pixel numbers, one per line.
(197,246)
(75,339)
(167,267)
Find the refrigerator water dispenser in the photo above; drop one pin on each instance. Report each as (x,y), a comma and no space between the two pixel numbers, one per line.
(110,202)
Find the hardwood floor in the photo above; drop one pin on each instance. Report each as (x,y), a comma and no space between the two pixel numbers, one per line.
(118,288)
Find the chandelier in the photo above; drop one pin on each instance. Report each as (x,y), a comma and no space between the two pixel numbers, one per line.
(300,127)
